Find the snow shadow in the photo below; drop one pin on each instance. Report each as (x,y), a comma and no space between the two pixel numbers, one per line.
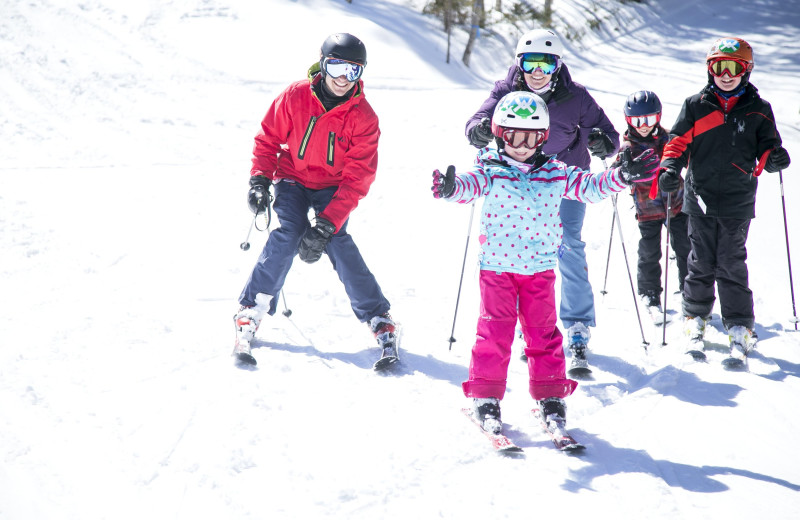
(668,381)
(615,461)
(409,364)
(360,359)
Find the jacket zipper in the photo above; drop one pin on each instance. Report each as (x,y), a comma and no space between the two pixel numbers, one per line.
(331,147)
(306,137)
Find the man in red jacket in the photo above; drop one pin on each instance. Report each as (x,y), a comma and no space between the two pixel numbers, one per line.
(318,148)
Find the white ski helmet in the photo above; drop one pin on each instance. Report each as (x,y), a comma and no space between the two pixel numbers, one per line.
(520,110)
(542,41)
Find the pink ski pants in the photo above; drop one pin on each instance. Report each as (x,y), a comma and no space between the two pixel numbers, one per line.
(503,295)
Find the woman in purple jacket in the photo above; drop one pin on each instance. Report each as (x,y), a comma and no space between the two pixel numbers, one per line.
(576,123)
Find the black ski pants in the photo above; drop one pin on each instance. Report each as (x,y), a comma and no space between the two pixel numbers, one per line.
(719,256)
(649,267)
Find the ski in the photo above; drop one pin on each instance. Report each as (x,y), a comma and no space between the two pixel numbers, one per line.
(500,442)
(559,435)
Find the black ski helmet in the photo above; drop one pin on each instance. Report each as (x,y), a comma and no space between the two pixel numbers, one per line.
(343,46)
(642,103)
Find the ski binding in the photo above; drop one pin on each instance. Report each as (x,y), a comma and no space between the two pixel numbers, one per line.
(559,435)
(500,442)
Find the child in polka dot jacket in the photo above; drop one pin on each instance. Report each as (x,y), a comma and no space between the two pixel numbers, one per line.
(520,238)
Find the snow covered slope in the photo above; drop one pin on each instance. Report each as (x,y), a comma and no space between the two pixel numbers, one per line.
(126,140)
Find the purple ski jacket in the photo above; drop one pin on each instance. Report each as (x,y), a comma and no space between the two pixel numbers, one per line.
(573,114)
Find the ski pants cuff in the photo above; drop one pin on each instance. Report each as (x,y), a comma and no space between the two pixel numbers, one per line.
(552,388)
(482,388)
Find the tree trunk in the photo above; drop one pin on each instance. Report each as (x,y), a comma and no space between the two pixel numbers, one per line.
(548,12)
(448,25)
(478,18)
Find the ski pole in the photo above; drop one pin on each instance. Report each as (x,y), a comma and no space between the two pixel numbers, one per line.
(286,310)
(666,272)
(244,246)
(627,266)
(788,254)
(608,258)
(461,280)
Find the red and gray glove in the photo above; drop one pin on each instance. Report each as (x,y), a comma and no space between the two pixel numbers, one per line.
(641,168)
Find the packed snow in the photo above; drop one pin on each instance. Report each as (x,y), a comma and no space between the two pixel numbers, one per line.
(126,136)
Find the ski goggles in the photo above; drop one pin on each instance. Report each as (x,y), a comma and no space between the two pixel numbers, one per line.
(641,121)
(734,68)
(337,68)
(530,61)
(531,139)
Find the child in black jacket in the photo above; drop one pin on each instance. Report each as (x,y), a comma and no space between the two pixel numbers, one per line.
(725,135)
(643,115)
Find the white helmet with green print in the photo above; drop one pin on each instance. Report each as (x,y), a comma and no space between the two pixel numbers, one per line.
(520,110)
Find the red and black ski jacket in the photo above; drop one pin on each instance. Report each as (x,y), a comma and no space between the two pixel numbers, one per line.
(720,152)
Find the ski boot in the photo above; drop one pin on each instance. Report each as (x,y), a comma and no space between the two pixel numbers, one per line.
(578,336)
(652,304)
(695,328)
(486,411)
(384,329)
(246,321)
(743,341)
(554,413)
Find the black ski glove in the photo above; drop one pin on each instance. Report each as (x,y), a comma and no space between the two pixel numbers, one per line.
(643,167)
(315,240)
(669,181)
(481,134)
(778,160)
(444,185)
(259,197)
(600,144)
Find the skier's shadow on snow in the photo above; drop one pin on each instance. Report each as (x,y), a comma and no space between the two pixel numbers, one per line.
(668,381)
(697,479)
(409,363)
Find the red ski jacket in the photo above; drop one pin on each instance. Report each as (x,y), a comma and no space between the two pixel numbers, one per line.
(300,141)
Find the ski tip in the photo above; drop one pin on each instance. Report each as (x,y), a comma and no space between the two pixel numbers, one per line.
(243,360)
(732,363)
(697,355)
(511,451)
(580,373)
(384,363)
